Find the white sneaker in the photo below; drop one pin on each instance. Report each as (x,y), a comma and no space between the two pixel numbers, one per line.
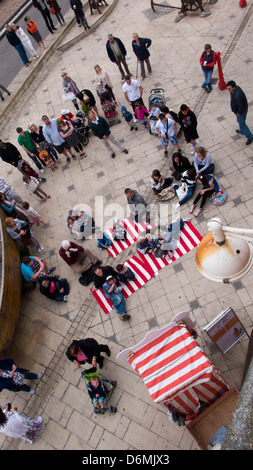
(177,205)
(41,248)
(65,298)
(192,150)
(42,171)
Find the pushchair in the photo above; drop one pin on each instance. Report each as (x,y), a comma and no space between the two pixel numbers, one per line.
(108,387)
(108,105)
(81,128)
(156,97)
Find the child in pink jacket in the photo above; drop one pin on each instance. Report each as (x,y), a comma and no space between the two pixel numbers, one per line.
(141,114)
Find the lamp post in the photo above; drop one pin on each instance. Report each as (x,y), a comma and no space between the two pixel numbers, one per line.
(225,254)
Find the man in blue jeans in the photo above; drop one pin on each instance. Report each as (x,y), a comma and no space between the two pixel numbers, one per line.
(15,42)
(239,106)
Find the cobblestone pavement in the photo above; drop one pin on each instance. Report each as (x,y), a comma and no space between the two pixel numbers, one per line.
(45,328)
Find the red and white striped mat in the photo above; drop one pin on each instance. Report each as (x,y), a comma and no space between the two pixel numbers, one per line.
(133,231)
(189,239)
(142,273)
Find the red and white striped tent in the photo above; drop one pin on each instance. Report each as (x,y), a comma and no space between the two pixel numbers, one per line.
(175,369)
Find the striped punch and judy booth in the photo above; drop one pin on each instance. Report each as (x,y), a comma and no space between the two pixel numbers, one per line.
(175,370)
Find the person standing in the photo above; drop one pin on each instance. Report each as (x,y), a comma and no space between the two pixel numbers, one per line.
(25,41)
(4,89)
(55,7)
(42,7)
(15,425)
(15,42)
(77,7)
(69,86)
(133,91)
(140,47)
(34,32)
(188,122)
(9,153)
(25,141)
(239,106)
(207,61)
(137,204)
(87,350)
(52,136)
(101,129)
(117,52)
(9,191)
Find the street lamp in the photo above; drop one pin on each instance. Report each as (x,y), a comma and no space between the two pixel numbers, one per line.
(225,254)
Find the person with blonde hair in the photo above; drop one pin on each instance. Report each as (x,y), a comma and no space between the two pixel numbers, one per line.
(203,162)
(27,43)
(103,81)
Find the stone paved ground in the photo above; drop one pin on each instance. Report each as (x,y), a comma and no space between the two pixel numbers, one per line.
(45,328)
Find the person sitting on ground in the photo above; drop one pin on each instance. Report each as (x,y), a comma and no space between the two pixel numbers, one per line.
(54,288)
(209,186)
(166,247)
(32,268)
(75,256)
(104,240)
(180,165)
(146,244)
(124,273)
(100,273)
(188,186)
(203,162)
(158,182)
(87,350)
(119,231)
(97,393)
(113,292)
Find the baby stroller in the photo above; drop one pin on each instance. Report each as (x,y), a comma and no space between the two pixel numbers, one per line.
(108,105)
(156,97)
(81,128)
(108,387)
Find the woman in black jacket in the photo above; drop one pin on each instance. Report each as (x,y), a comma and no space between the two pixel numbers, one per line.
(53,288)
(87,350)
(180,164)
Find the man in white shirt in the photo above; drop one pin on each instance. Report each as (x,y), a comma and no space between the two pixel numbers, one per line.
(132,90)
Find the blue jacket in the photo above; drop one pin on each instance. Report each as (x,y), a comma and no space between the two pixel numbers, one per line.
(110,51)
(140,49)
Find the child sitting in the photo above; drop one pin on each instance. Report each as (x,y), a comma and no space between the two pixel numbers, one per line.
(166,246)
(97,393)
(33,215)
(103,240)
(124,273)
(128,118)
(32,185)
(119,232)
(153,117)
(141,113)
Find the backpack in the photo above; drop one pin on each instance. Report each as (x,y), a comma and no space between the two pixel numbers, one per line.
(218,197)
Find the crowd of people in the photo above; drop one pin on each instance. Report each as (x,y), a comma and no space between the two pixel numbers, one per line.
(44,142)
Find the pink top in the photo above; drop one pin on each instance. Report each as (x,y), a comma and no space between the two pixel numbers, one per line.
(81,357)
(140,112)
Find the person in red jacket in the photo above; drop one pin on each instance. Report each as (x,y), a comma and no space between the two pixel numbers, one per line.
(207,61)
(75,255)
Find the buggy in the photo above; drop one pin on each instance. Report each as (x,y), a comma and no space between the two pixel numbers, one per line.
(81,128)
(156,97)
(108,387)
(108,105)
